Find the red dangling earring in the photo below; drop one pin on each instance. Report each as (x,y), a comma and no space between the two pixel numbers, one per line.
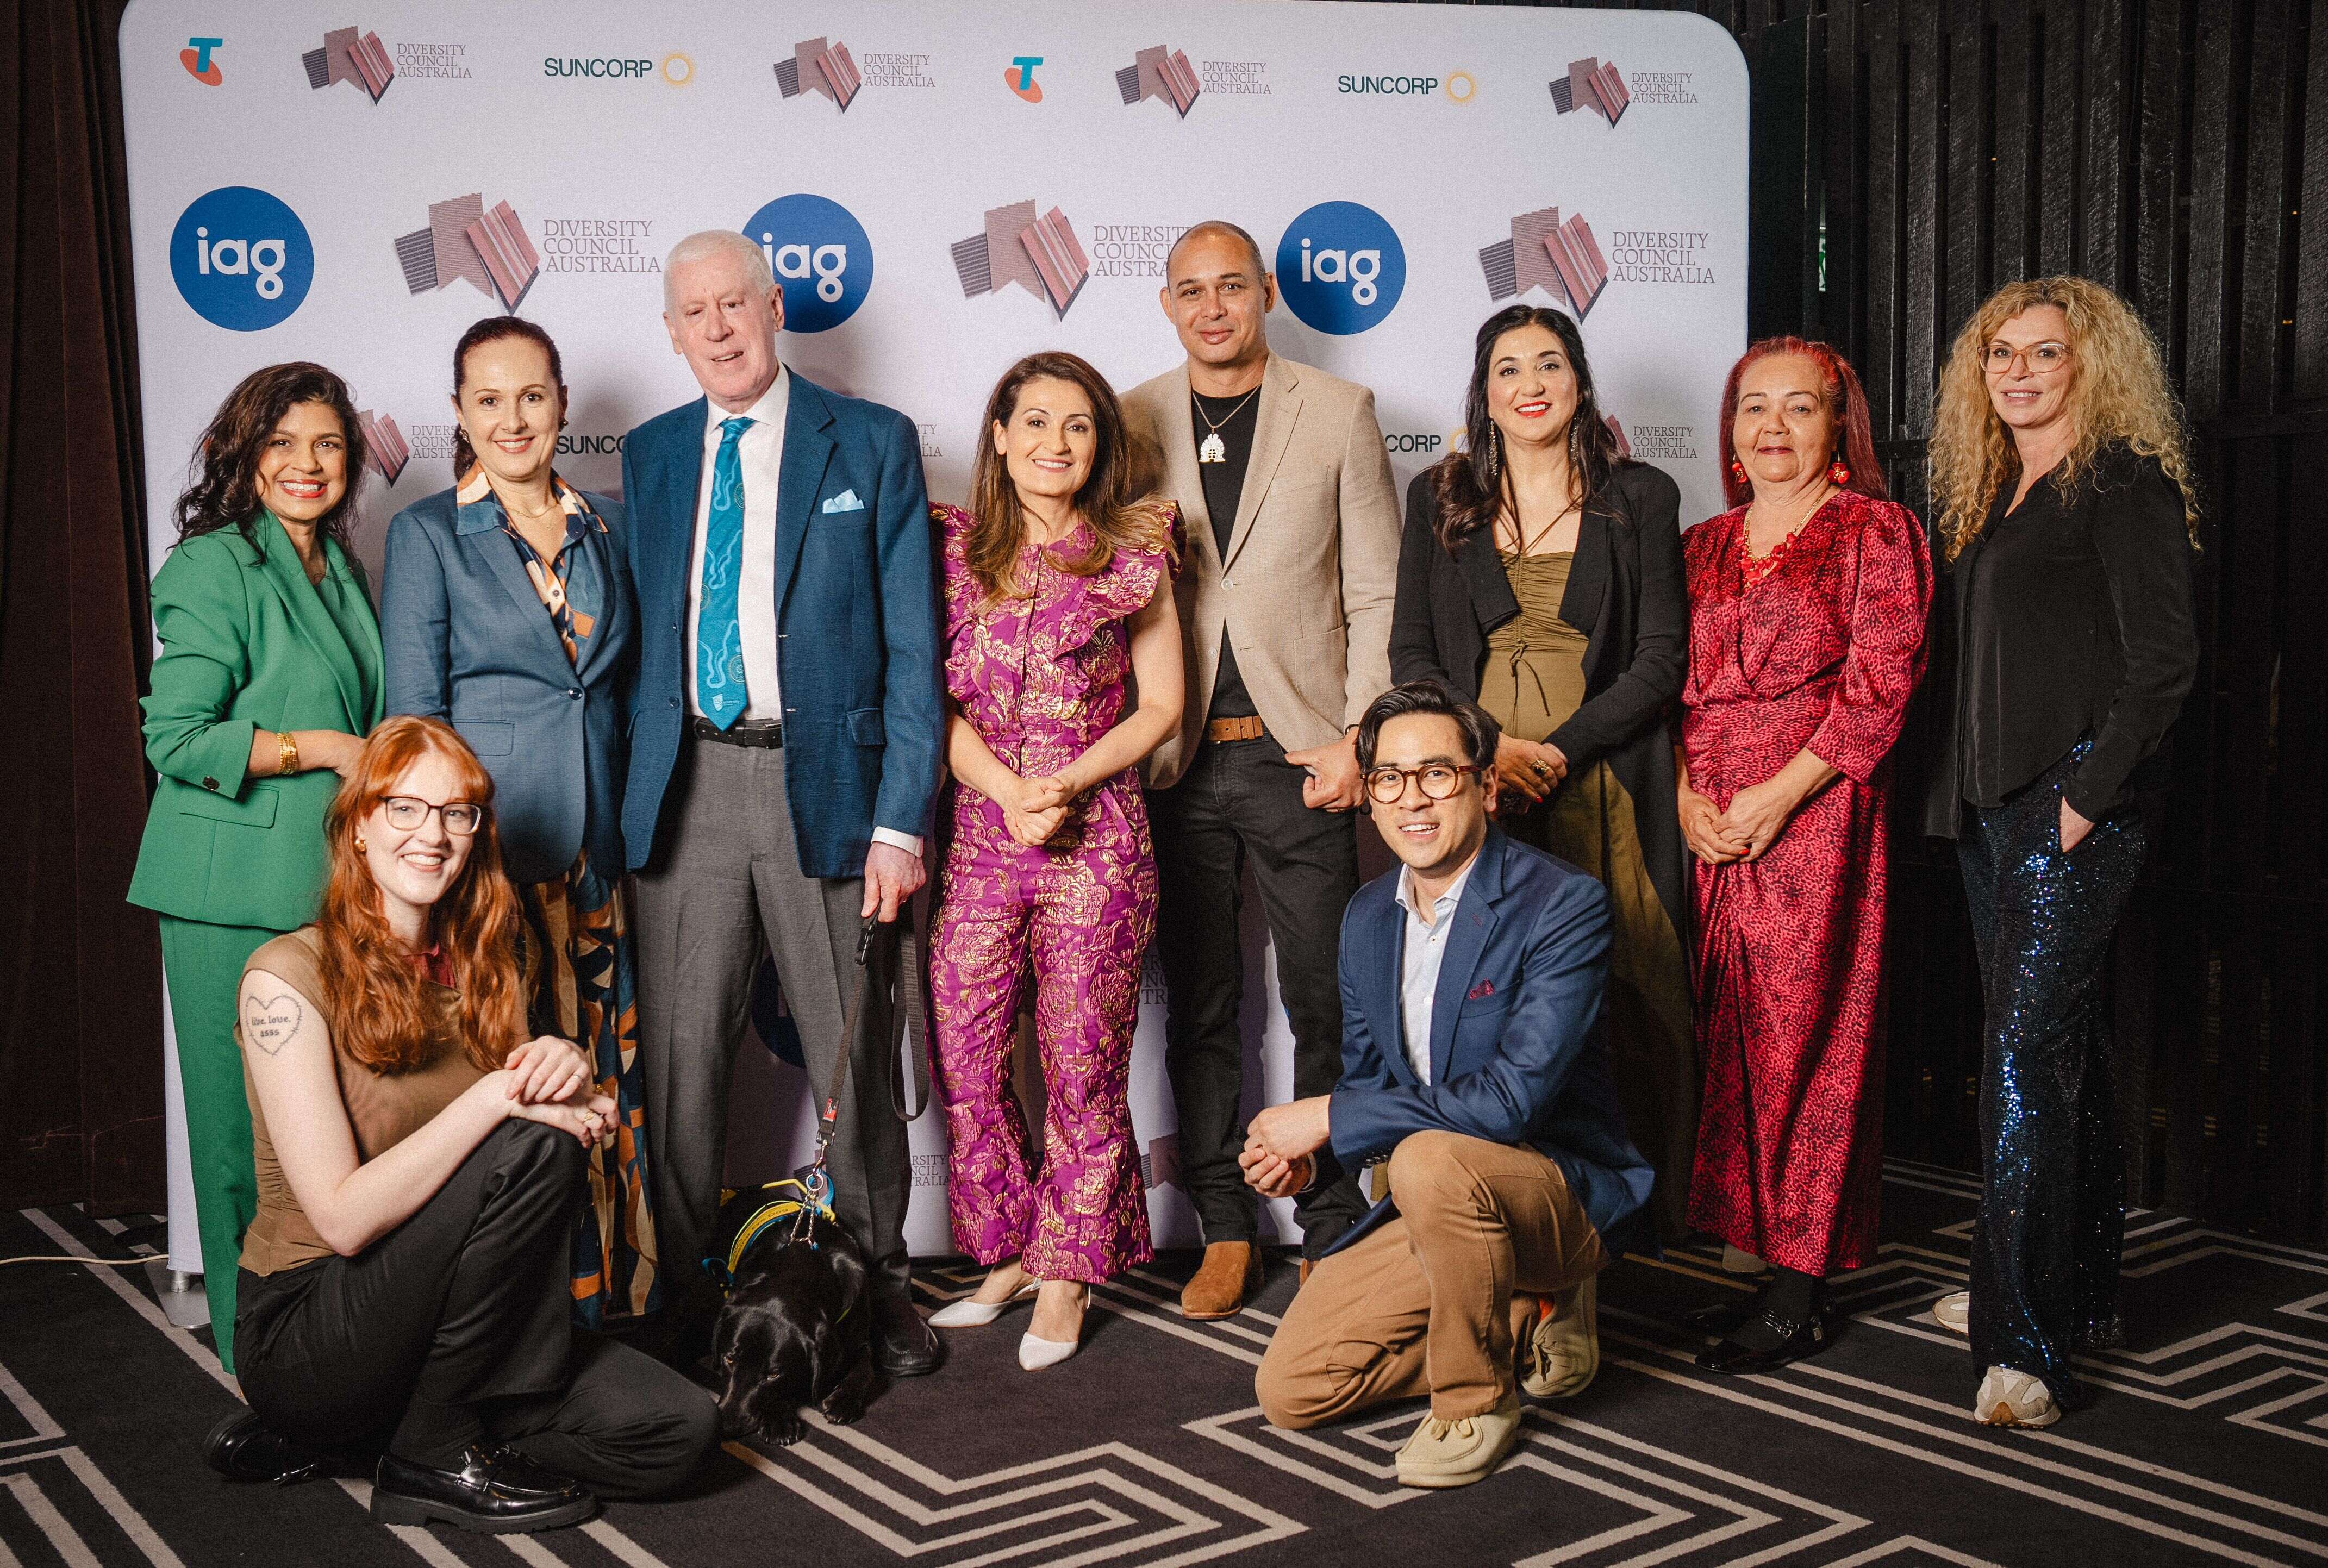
(1738,471)
(1838,473)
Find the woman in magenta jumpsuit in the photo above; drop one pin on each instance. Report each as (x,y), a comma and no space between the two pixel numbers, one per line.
(1058,591)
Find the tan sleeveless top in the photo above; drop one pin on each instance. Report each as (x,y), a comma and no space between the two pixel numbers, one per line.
(384,1108)
(1534,678)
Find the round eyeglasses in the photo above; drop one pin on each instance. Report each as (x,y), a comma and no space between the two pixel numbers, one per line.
(404,814)
(1437,780)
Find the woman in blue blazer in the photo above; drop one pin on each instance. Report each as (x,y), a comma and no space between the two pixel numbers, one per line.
(507,609)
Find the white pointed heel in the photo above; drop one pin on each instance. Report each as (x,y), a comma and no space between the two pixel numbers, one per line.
(1034,1355)
(968,1314)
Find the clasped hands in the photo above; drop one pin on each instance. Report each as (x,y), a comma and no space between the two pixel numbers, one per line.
(1280,1142)
(550,1082)
(1528,769)
(1756,815)
(1035,808)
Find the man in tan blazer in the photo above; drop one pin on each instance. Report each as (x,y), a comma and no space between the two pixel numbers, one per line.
(1285,604)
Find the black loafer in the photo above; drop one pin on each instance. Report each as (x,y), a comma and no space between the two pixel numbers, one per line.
(497,1491)
(1722,1316)
(904,1343)
(243,1447)
(1799,1339)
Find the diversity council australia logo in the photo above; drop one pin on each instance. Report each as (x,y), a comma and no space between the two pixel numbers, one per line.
(820,254)
(241,258)
(1340,267)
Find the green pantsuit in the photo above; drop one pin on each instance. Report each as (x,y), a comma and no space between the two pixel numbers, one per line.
(228,859)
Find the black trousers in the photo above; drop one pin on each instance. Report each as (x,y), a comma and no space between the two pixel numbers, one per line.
(1239,799)
(464,1306)
(2046,1243)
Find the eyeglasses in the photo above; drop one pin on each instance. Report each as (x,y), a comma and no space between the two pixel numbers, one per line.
(406,814)
(2043,359)
(1438,780)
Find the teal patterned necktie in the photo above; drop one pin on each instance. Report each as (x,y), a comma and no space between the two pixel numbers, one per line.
(719,688)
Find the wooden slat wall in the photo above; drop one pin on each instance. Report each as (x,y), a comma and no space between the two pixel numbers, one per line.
(2176,150)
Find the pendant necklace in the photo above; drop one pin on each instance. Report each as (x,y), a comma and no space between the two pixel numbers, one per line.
(1212,448)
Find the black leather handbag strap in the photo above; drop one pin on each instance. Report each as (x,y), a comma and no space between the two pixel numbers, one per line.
(896,965)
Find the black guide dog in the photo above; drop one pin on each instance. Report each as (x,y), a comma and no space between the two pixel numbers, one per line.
(796,1327)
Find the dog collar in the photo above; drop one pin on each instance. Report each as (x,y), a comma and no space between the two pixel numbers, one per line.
(769,1214)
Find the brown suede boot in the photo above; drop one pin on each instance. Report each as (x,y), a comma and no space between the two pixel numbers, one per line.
(1231,1273)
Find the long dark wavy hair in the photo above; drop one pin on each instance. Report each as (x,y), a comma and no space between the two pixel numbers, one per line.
(1110,499)
(1474,484)
(493,330)
(222,482)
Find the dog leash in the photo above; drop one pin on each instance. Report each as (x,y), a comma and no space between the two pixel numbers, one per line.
(908,981)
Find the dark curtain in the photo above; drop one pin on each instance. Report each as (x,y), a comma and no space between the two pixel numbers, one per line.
(81,970)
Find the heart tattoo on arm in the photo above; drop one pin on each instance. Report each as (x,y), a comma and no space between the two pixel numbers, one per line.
(269,1025)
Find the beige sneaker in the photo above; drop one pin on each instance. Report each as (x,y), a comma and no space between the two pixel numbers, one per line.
(1455,1453)
(2010,1398)
(1953,1312)
(1560,1356)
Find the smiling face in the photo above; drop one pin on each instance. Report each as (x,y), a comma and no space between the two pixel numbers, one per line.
(1782,429)
(1532,393)
(2030,367)
(1218,299)
(511,406)
(1049,441)
(1433,837)
(303,465)
(415,867)
(726,325)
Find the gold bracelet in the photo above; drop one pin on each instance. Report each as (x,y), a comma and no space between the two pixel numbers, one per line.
(287,760)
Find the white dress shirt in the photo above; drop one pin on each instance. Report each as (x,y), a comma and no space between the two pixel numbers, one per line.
(761,455)
(761,452)
(1424,949)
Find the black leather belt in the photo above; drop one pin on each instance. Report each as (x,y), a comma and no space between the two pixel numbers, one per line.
(766,736)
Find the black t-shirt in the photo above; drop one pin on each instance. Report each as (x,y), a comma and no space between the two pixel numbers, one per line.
(1235,418)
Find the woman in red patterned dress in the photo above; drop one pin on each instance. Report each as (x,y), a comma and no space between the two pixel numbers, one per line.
(1808,607)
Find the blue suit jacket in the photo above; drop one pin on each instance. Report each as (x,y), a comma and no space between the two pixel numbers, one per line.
(1516,1050)
(864,717)
(466,639)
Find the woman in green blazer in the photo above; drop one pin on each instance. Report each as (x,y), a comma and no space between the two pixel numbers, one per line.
(269,676)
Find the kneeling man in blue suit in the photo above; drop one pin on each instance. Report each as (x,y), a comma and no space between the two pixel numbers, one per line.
(1473,1063)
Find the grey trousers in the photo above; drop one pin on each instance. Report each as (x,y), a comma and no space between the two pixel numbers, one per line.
(723,884)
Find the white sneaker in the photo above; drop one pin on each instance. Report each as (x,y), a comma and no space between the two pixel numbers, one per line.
(1953,1312)
(2010,1398)
(968,1314)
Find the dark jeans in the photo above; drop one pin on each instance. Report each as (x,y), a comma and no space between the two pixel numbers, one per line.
(463,1311)
(2045,1246)
(1239,798)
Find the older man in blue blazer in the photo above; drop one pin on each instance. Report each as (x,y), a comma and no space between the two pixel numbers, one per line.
(785,733)
(1473,1064)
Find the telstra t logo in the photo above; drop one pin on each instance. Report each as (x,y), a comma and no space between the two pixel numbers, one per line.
(196,58)
(1020,78)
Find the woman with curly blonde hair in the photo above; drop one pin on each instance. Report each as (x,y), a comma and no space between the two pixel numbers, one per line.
(2066,645)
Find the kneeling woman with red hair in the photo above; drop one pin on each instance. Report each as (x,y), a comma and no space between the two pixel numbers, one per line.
(420,1165)
(1807,601)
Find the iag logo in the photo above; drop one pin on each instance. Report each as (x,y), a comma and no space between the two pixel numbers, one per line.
(819,252)
(1020,78)
(196,58)
(241,258)
(1340,267)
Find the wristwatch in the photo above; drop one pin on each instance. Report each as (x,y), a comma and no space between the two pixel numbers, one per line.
(287,760)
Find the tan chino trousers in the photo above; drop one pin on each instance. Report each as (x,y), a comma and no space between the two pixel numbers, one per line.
(1425,1302)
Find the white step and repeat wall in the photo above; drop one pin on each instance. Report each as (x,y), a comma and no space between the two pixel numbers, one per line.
(942,188)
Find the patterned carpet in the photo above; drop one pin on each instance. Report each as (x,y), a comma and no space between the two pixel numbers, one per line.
(2209,1441)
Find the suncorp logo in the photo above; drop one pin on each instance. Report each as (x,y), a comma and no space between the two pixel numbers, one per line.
(1340,267)
(677,69)
(241,258)
(1458,85)
(819,252)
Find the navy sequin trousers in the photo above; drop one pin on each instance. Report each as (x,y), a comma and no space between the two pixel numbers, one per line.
(2045,1247)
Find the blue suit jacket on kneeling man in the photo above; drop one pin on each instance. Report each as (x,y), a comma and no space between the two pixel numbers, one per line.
(856,615)
(1517,1053)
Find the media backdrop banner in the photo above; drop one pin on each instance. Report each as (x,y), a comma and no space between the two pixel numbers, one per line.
(940,188)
